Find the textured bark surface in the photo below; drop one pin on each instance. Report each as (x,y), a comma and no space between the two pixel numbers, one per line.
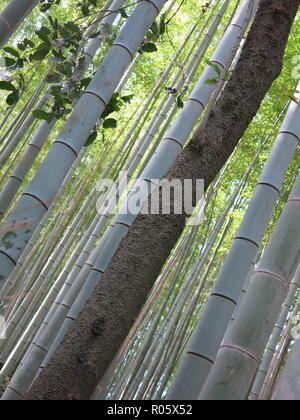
(92,343)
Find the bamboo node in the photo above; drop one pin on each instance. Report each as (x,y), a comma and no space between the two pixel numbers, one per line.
(118,44)
(276,276)
(240,349)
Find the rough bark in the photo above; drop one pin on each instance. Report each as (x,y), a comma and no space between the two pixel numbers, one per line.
(92,343)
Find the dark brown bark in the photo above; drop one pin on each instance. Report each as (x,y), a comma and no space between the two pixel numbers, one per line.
(86,352)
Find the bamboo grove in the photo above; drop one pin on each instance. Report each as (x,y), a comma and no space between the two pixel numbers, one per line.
(123,305)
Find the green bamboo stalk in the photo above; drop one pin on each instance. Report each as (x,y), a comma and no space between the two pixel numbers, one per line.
(239,357)
(17,122)
(37,142)
(78,264)
(146,343)
(14,140)
(38,196)
(271,348)
(279,359)
(168,100)
(204,346)
(90,274)
(12,16)
(149,11)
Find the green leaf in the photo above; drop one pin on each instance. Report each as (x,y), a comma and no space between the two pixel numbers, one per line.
(41,52)
(109,110)
(43,33)
(215,67)
(85,82)
(7,86)
(21,82)
(12,51)
(179,102)
(28,43)
(162,28)
(110,123)
(212,81)
(20,63)
(21,46)
(85,10)
(162,24)
(42,115)
(170,91)
(72,27)
(124,14)
(58,54)
(127,98)
(46,7)
(149,47)
(9,62)
(13,97)
(92,137)
(65,68)
(154,31)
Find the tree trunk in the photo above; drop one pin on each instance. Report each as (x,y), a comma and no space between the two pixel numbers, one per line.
(92,343)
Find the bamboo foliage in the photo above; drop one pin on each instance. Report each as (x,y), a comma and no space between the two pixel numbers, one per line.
(37,142)
(64,301)
(37,198)
(231,42)
(74,223)
(183,126)
(54,258)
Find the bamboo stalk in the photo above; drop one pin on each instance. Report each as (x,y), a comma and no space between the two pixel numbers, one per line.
(239,357)
(217,314)
(38,196)
(102,254)
(37,142)
(271,348)
(12,16)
